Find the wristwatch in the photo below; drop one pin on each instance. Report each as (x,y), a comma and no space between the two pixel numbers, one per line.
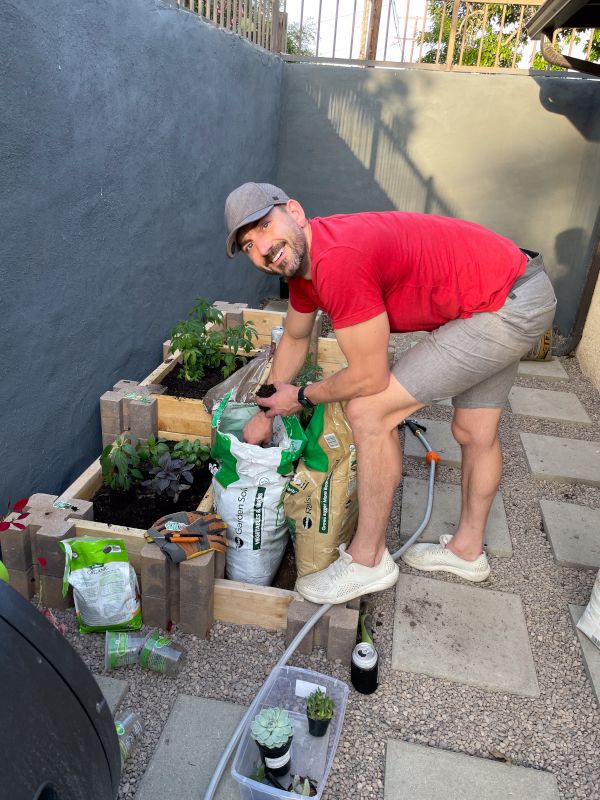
(304,401)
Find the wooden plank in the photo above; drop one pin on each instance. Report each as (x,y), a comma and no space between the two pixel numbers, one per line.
(86,485)
(183,415)
(163,369)
(247,604)
(133,537)
(206,504)
(173,436)
(263,321)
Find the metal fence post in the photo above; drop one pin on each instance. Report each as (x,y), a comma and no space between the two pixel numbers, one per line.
(452,37)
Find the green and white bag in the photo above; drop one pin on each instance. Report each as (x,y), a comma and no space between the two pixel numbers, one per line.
(105,587)
(249,486)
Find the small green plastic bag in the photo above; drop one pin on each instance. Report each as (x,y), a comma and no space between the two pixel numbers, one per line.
(105,587)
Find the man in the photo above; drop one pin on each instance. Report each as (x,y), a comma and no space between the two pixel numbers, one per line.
(485,303)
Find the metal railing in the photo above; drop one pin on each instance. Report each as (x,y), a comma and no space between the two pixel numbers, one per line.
(431,34)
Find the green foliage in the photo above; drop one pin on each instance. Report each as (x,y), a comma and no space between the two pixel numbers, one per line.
(319,705)
(193,453)
(120,464)
(272,727)
(152,450)
(301,45)
(311,372)
(563,42)
(301,786)
(200,342)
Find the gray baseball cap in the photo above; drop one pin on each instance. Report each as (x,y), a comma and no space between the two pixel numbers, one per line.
(249,203)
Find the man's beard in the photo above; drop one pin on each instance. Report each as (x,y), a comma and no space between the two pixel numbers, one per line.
(294,257)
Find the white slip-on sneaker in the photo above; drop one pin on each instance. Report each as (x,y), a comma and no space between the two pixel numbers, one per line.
(345,579)
(437,558)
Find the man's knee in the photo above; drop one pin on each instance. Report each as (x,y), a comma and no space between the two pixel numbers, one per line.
(367,417)
(472,433)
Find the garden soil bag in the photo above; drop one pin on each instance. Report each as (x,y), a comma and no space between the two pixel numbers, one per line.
(321,503)
(589,622)
(105,587)
(249,486)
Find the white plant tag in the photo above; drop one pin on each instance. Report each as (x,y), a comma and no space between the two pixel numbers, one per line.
(332,440)
(304,688)
(171,525)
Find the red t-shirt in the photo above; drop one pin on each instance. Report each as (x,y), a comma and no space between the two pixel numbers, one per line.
(422,269)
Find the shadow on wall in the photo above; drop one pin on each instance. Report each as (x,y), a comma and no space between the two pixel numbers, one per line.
(373,170)
(556,97)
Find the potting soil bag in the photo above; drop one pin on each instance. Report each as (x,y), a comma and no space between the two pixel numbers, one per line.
(589,622)
(321,503)
(105,587)
(248,490)
(243,382)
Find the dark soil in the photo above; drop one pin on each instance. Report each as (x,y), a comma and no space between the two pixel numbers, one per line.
(136,509)
(286,574)
(266,390)
(178,387)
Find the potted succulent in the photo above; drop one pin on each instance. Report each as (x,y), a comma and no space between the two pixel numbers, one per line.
(273,730)
(319,710)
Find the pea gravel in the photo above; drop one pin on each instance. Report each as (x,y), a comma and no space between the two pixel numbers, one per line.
(559,732)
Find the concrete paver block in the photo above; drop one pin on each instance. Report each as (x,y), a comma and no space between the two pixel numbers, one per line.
(591,654)
(419,772)
(155,571)
(186,756)
(546,404)
(45,548)
(574,533)
(16,548)
(197,619)
(341,638)
(551,370)
(113,690)
(51,594)
(461,633)
(445,515)
(439,436)
(196,595)
(299,612)
(111,413)
(156,611)
(23,582)
(143,418)
(552,458)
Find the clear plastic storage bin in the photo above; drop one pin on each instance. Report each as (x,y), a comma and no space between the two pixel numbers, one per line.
(288,687)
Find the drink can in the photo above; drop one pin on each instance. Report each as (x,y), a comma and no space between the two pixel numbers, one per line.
(364,668)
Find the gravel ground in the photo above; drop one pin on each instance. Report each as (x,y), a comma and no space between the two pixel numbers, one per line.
(558,732)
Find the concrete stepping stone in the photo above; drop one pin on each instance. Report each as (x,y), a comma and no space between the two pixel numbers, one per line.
(419,772)
(461,633)
(546,404)
(445,514)
(591,654)
(113,689)
(551,370)
(188,751)
(439,436)
(574,533)
(552,458)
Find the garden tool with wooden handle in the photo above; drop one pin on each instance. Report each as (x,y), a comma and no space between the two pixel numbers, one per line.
(188,534)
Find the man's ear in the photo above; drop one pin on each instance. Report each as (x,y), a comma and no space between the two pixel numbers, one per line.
(294,208)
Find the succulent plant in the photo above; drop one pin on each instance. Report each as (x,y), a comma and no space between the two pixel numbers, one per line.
(305,787)
(272,727)
(319,706)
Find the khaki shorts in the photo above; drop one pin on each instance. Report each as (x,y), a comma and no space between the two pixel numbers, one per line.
(474,361)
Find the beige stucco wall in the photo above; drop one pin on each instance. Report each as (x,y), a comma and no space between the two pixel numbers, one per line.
(588,350)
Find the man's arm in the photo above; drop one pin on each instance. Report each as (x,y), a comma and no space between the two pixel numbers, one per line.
(288,360)
(365,347)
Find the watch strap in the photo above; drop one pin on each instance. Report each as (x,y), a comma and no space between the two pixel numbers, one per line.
(303,400)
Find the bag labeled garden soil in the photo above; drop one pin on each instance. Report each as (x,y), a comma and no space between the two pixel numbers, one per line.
(321,503)
(105,587)
(248,490)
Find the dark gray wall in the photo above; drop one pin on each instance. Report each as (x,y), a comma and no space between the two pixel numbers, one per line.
(124,126)
(518,154)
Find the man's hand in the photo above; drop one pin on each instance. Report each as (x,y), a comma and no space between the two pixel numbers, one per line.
(284,402)
(258,429)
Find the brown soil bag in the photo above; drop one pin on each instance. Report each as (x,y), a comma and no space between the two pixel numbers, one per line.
(321,503)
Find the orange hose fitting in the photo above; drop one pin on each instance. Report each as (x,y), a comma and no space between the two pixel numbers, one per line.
(432,456)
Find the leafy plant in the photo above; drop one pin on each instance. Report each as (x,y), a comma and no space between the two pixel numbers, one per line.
(272,727)
(200,342)
(18,507)
(319,705)
(120,464)
(151,450)
(194,453)
(305,787)
(311,372)
(170,477)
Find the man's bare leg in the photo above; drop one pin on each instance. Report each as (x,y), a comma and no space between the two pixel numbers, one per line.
(476,430)
(374,422)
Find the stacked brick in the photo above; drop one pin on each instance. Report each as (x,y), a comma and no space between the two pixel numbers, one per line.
(335,631)
(129,408)
(180,593)
(33,557)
